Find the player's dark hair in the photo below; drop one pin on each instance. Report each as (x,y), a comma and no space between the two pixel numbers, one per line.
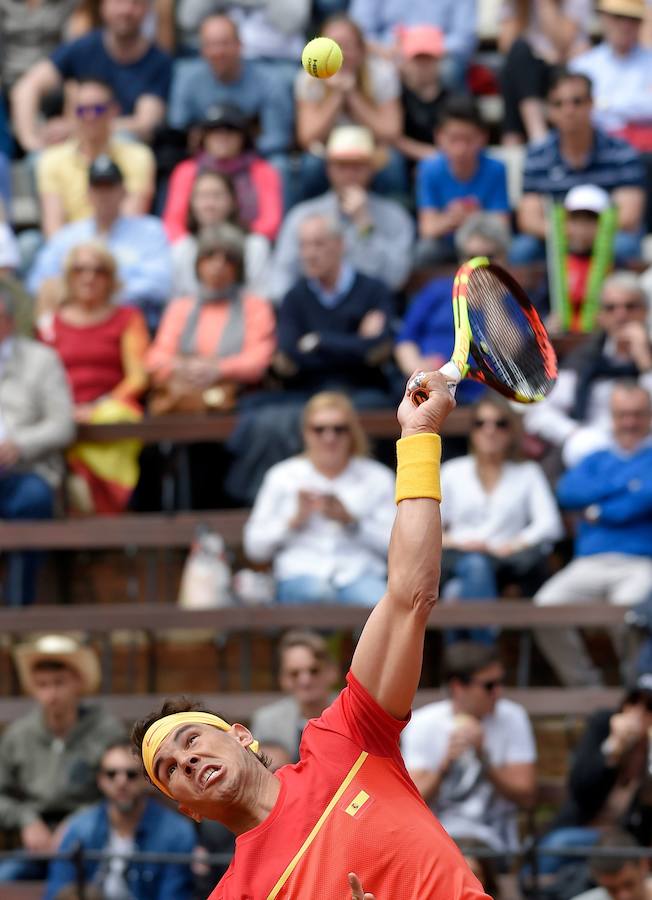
(561,74)
(460,108)
(169,708)
(464,659)
(615,839)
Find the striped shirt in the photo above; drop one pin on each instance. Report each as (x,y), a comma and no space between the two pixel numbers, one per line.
(611,164)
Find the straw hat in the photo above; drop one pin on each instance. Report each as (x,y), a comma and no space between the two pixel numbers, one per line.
(57,648)
(633,9)
(354,143)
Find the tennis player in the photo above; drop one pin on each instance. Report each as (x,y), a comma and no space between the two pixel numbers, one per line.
(348,805)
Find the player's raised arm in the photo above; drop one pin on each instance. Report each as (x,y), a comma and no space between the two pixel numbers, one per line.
(388,658)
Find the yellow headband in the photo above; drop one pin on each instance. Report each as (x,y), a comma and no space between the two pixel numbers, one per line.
(159,730)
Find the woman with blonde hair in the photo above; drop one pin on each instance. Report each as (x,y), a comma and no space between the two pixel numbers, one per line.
(324,517)
(366,91)
(102,347)
(499,515)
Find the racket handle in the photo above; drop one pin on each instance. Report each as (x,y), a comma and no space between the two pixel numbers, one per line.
(419,394)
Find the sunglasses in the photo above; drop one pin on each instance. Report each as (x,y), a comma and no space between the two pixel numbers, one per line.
(91,110)
(502,424)
(129,774)
(631,306)
(490,685)
(569,101)
(338,430)
(89,270)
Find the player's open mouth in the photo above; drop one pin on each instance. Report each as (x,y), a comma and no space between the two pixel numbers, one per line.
(208,775)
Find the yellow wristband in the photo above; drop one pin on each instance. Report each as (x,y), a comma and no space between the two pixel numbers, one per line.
(417,470)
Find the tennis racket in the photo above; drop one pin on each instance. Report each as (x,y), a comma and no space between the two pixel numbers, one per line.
(499,338)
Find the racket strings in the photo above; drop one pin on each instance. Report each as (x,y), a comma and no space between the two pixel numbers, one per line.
(505,339)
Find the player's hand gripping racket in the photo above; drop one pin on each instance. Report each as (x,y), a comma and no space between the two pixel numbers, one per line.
(499,338)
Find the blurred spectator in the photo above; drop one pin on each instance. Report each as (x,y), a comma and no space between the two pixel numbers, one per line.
(138,243)
(381,19)
(62,171)
(102,348)
(324,518)
(335,325)
(619,877)
(271,32)
(118,54)
(307,674)
(580,253)
(378,233)
(457,182)
(127,821)
(576,414)
(426,338)
(221,76)
(48,757)
(11,284)
(35,425)
(364,92)
(483,867)
(422,94)
(611,491)
(575,152)
(208,347)
(226,148)
(28,32)
(213,201)
(620,70)
(472,756)
(608,779)
(534,37)
(499,516)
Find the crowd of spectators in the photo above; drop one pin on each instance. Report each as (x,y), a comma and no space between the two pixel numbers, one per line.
(216,231)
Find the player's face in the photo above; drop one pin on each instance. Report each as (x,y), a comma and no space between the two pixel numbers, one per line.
(56,692)
(569,106)
(628,884)
(307,678)
(121,778)
(483,690)
(206,770)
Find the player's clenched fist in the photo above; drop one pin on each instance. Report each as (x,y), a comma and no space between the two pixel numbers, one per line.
(357,892)
(430,415)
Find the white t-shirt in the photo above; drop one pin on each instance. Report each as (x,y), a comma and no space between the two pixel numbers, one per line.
(384,85)
(521,505)
(467,804)
(114,881)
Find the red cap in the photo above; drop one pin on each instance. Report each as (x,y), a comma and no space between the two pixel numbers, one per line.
(419,40)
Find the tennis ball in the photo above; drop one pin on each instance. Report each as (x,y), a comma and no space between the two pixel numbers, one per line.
(321,57)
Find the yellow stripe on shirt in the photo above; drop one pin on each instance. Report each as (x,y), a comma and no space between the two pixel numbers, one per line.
(318,826)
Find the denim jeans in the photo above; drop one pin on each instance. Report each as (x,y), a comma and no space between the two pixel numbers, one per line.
(24,495)
(22,870)
(364,591)
(564,838)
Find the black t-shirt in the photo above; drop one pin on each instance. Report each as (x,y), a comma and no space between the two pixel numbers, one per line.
(421,116)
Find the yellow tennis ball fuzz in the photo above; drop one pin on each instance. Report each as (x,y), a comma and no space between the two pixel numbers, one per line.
(321,57)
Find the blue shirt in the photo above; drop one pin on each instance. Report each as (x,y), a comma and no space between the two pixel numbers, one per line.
(88,57)
(330,299)
(160,830)
(195,88)
(437,186)
(139,244)
(611,164)
(456,18)
(619,487)
(622,85)
(429,324)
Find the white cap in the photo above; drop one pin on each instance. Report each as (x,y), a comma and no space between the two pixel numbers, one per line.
(587,198)
(9,255)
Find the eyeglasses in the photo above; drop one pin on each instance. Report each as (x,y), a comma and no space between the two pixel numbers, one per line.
(91,110)
(89,270)
(630,306)
(490,685)
(129,774)
(338,430)
(502,424)
(569,101)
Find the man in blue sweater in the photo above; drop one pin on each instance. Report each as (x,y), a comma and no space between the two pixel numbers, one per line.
(611,490)
(127,821)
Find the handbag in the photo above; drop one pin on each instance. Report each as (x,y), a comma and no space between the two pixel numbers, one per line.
(177,396)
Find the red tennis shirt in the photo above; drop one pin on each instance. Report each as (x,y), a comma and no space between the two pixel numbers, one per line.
(348,805)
